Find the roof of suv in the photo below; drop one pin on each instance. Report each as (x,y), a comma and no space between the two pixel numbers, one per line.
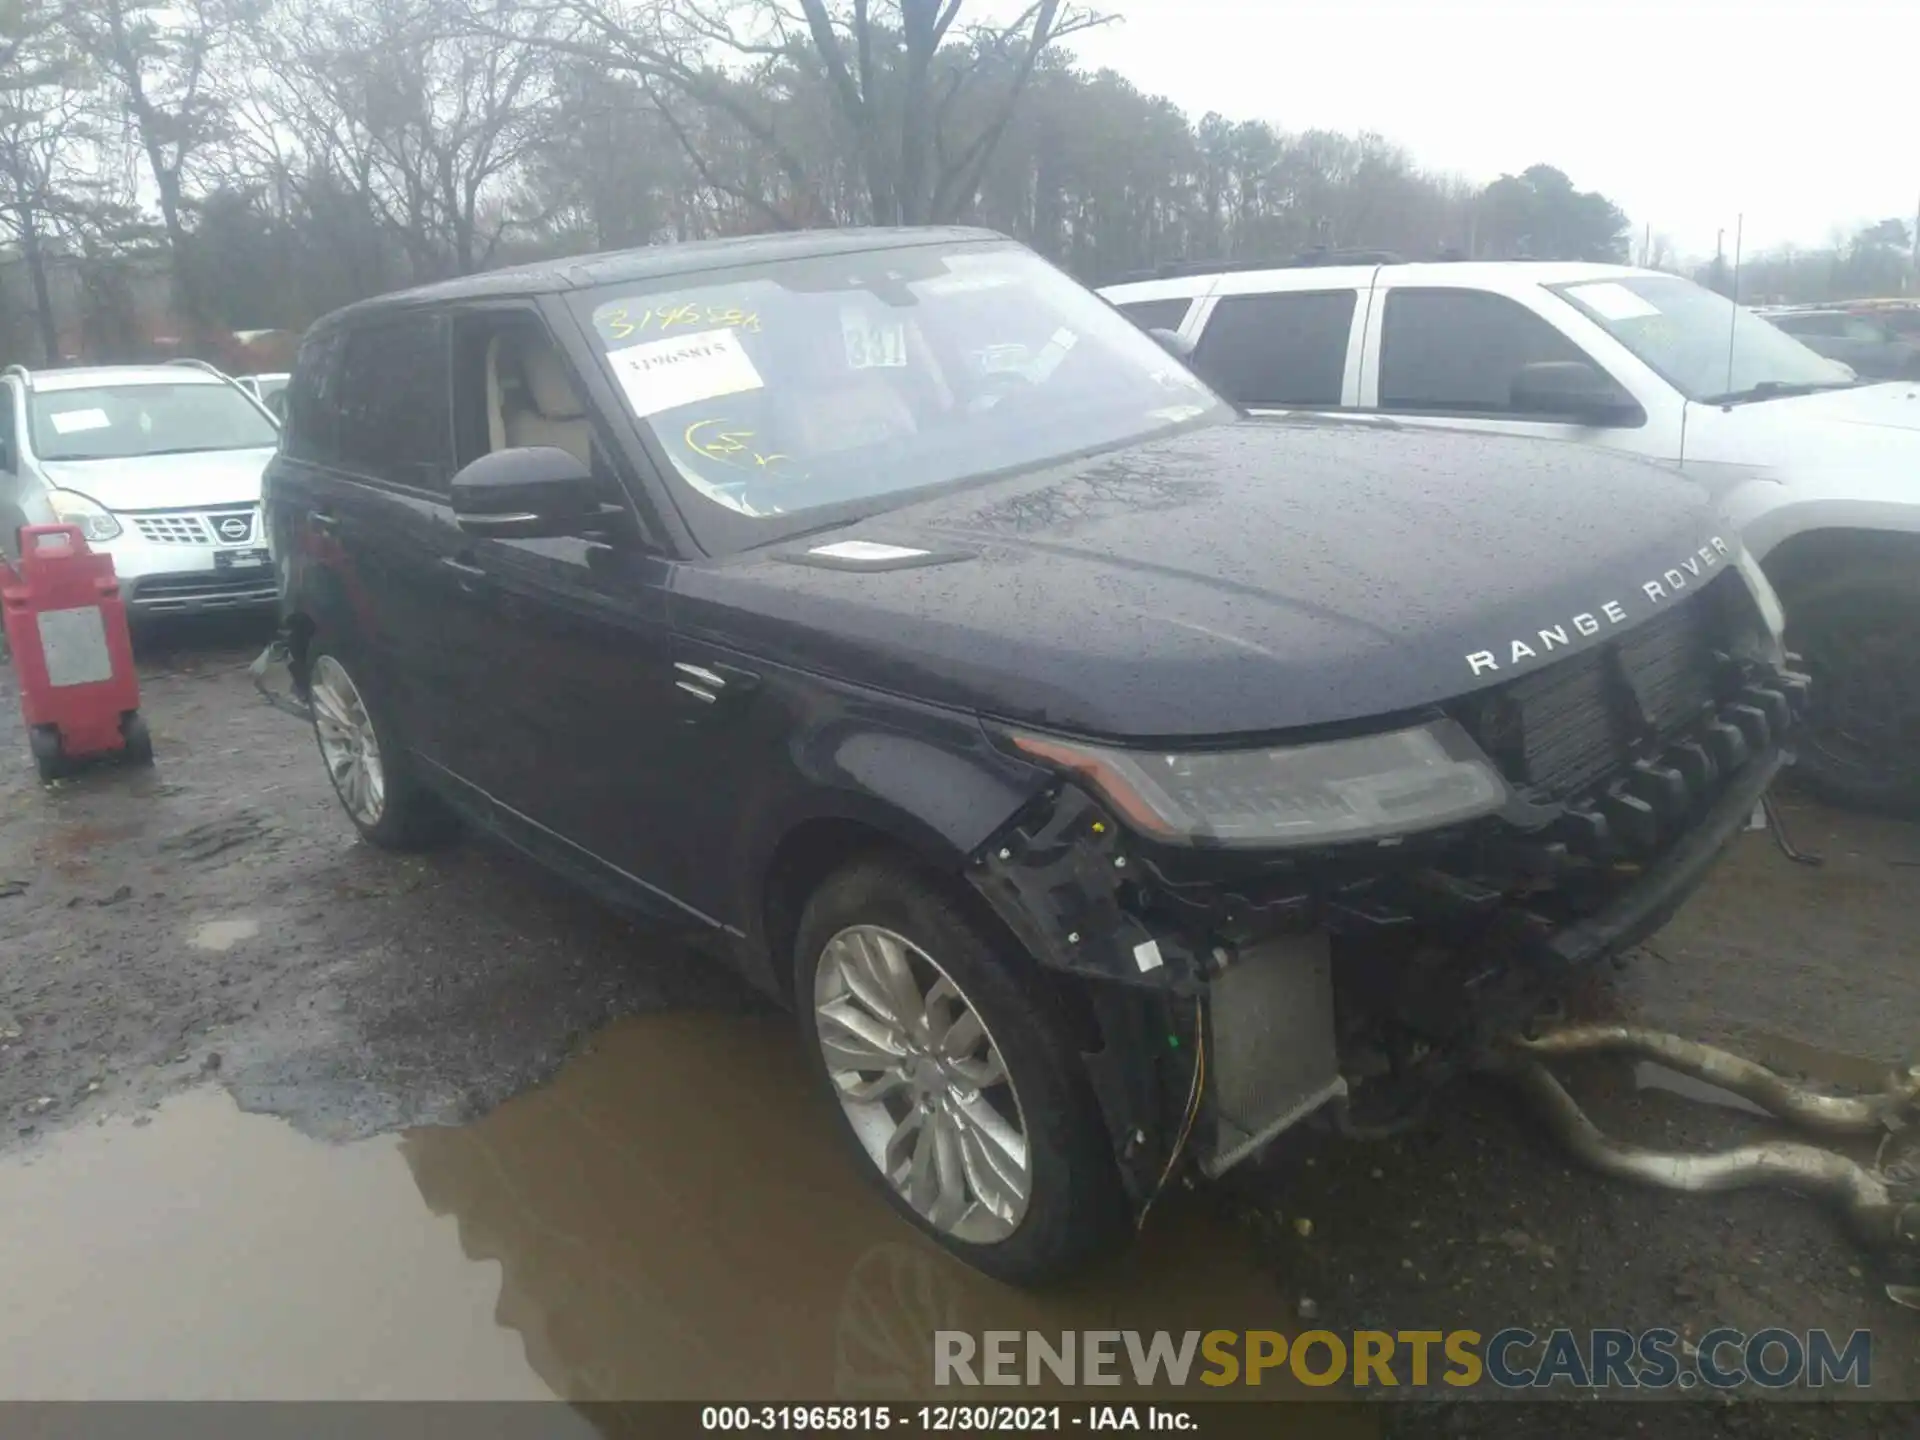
(1460,274)
(81,377)
(652,261)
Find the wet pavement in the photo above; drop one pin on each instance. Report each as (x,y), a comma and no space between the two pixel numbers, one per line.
(289,1118)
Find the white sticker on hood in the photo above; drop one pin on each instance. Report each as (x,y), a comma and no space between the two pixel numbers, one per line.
(1613,301)
(72,422)
(871,550)
(666,374)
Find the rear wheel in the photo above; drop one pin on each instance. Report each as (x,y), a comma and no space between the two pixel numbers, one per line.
(371,773)
(139,740)
(49,756)
(1857,632)
(962,1095)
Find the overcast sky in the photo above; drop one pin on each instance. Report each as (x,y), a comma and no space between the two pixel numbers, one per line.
(1803,114)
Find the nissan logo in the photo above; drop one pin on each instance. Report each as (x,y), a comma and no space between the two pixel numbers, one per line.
(234,527)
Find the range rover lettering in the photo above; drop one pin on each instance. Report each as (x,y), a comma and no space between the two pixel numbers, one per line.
(1105,779)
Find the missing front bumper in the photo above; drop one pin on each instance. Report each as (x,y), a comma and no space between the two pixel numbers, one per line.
(1447,941)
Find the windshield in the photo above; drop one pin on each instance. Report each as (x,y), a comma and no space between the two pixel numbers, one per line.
(844,379)
(1687,333)
(123,422)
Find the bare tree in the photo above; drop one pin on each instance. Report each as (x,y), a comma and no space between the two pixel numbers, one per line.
(429,121)
(156,54)
(918,99)
(44,125)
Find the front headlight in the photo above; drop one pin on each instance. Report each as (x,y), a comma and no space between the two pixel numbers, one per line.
(93,518)
(1365,788)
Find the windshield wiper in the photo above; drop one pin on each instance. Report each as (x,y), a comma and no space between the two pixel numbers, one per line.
(1777,390)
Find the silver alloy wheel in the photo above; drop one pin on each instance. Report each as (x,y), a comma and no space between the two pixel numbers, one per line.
(922,1083)
(348,743)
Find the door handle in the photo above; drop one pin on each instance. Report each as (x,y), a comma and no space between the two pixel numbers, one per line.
(471,578)
(711,683)
(322,521)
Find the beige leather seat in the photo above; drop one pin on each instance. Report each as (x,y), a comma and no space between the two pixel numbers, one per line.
(531,399)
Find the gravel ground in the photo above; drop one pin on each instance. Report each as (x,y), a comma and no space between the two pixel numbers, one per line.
(215,919)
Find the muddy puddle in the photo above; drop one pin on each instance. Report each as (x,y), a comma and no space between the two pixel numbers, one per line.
(672,1217)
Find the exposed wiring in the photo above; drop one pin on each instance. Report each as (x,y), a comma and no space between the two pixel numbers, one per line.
(1193,1109)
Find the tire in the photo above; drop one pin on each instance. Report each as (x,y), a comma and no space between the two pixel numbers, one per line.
(49,757)
(139,740)
(1857,633)
(1074,1210)
(386,802)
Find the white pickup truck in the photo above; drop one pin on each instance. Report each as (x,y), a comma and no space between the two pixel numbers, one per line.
(1819,470)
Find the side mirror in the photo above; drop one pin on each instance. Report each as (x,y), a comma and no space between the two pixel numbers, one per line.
(1572,390)
(1170,342)
(534,493)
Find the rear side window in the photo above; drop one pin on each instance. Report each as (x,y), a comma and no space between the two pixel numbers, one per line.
(1460,350)
(395,402)
(313,401)
(9,457)
(1157,314)
(1278,349)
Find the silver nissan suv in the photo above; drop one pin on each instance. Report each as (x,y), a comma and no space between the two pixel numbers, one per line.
(159,465)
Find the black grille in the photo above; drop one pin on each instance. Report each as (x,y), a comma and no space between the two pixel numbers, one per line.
(1564,727)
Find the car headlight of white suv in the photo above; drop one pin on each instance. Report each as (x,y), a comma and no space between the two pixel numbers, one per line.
(93,518)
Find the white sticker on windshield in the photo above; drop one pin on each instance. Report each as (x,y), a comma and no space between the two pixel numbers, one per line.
(1611,300)
(870,346)
(1057,348)
(666,374)
(72,422)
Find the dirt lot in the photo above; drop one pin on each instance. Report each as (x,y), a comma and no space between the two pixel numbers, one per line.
(664,1209)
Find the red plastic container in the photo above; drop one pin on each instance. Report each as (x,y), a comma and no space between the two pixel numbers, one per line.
(67,627)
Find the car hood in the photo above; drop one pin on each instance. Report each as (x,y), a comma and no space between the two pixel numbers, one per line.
(1868,427)
(1260,576)
(164,482)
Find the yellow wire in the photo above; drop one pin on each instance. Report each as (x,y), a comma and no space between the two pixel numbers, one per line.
(1193,1106)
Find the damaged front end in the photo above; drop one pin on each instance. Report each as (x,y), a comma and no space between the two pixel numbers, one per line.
(1236,980)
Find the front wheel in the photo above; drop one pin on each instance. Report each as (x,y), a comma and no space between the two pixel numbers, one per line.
(961,1092)
(1857,632)
(371,773)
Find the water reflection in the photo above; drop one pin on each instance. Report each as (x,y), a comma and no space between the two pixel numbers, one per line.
(675,1217)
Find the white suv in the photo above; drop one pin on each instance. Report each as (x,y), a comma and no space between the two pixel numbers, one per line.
(1819,470)
(159,465)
